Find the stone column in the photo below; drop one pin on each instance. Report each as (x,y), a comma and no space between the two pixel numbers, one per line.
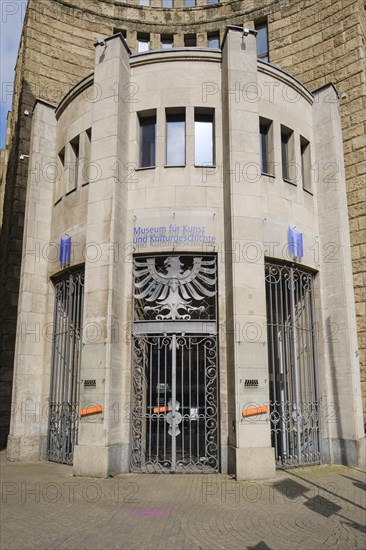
(250,452)
(344,441)
(28,429)
(103,438)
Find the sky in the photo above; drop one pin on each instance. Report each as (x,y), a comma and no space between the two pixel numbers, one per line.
(11,22)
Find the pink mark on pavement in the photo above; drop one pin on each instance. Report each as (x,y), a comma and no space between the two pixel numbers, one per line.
(143,512)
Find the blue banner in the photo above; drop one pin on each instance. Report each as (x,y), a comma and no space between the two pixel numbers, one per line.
(295,243)
(65,251)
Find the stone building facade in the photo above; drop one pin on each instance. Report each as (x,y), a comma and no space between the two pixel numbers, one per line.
(318,42)
(179,278)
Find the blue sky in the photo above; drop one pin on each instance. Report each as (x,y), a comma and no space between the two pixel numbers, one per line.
(11,21)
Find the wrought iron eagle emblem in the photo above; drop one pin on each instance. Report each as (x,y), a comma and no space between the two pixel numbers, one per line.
(174,289)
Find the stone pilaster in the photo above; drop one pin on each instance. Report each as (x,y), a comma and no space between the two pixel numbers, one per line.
(342,409)
(28,428)
(250,451)
(103,439)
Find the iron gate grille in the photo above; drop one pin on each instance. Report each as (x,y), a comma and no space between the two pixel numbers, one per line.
(174,378)
(294,398)
(65,370)
(175,409)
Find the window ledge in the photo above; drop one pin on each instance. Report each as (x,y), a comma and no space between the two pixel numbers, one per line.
(290,182)
(174,165)
(71,191)
(309,192)
(205,165)
(268,175)
(140,168)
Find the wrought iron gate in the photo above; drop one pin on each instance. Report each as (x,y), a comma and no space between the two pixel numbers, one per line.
(175,382)
(294,397)
(65,371)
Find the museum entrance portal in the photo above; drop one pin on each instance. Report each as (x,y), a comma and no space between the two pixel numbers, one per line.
(175,372)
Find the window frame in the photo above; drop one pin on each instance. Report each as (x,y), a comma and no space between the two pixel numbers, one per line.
(143,38)
(73,164)
(120,31)
(259,25)
(288,163)
(60,180)
(188,37)
(208,114)
(175,114)
(169,39)
(213,35)
(306,175)
(145,120)
(267,164)
(85,173)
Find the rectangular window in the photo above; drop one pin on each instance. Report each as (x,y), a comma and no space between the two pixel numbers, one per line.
(305,164)
(263,129)
(147,141)
(213,40)
(166,41)
(143,43)
(74,164)
(59,191)
(287,154)
(203,138)
(166,3)
(85,173)
(189,3)
(122,31)
(266,148)
(190,40)
(175,139)
(145,3)
(284,156)
(262,40)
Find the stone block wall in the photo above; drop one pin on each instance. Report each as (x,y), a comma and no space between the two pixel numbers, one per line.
(321,42)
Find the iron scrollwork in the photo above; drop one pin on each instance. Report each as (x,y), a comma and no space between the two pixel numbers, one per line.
(172,290)
(295,403)
(63,419)
(175,382)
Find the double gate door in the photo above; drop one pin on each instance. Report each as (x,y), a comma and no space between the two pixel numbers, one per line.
(63,419)
(295,403)
(174,372)
(175,391)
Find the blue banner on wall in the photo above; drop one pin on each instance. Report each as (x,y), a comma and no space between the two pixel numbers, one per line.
(295,243)
(65,251)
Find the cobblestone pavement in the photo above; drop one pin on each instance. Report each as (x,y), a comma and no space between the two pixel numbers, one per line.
(44,507)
